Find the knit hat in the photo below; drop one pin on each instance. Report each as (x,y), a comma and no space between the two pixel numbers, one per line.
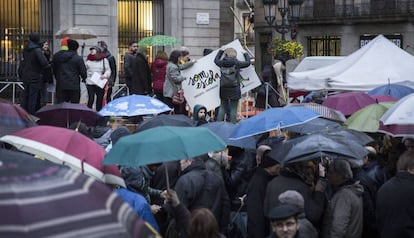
(73,45)
(261,149)
(34,37)
(64,43)
(292,197)
(118,133)
(283,211)
(102,44)
(97,48)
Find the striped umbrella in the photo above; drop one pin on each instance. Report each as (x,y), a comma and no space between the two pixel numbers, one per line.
(42,199)
(13,118)
(325,112)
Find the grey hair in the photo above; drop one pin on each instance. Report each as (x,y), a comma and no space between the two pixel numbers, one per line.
(343,168)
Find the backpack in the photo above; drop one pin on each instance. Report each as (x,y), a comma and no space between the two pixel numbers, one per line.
(230,77)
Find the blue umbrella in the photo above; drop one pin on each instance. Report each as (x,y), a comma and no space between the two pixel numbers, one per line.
(272,119)
(393,90)
(224,129)
(134,105)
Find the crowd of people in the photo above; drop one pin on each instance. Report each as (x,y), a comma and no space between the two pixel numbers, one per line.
(238,192)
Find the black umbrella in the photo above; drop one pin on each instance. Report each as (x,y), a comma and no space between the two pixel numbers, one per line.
(166,120)
(42,199)
(314,146)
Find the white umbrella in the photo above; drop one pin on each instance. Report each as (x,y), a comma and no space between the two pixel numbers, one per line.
(401,113)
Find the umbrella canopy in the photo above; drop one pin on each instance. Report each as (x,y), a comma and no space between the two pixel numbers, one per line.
(393,90)
(402,112)
(76,33)
(163,144)
(13,118)
(383,98)
(315,125)
(272,119)
(395,130)
(224,129)
(317,145)
(134,105)
(325,112)
(367,118)
(64,146)
(42,199)
(158,40)
(349,102)
(166,120)
(64,114)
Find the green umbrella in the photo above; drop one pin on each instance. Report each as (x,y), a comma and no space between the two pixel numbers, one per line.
(163,144)
(158,40)
(367,118)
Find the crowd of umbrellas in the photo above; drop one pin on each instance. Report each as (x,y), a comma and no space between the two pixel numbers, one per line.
(336,128)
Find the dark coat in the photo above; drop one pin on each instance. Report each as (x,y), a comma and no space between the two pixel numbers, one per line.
(233,93)
(69,68)
(129,58)
(158,70)
(34,63)
(200,188)
(141,76)
(395,206)
(314,201)
(112,65)
(257,223)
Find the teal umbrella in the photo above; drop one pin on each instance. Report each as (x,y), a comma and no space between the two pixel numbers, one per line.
(158,40)
(163,144)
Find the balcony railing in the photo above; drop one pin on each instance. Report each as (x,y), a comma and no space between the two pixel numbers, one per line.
(377,9)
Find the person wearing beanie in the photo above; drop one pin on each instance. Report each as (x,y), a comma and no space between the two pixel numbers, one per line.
(257,221)
(96,63)
(64,43)
(284,221)
(117,134)
(294,198)
(31,70)
(112,65)
(69,70)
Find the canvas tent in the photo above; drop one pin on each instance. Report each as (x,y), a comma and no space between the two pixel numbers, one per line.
(375,64)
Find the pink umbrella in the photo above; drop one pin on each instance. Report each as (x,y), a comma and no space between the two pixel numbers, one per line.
(349,102)
(383,98)
(396,130)
(68,147)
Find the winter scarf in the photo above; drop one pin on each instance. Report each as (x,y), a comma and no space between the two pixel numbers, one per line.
(96,57)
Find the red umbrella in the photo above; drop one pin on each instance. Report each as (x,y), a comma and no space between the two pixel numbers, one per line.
(383,98)
(64,114)
(42,199)
(348,103)
(396,130)
(13,118)
(68,147)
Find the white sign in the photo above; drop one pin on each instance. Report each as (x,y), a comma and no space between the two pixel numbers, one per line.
(96,79)
(202,82)
(203,18)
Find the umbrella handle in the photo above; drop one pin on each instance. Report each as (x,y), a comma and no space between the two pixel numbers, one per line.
(167,178)
(82,165)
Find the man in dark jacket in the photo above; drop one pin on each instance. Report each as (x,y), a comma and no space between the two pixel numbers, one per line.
(112,64)
(69,68)
(31,69)
(257,222)
(395,201)
(141,74)
(200,188)
(129,59)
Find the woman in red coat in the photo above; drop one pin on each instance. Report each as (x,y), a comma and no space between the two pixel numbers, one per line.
(158,70)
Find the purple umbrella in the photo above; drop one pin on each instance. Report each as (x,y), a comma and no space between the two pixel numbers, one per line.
(42,199)
(64,114)
(348,103)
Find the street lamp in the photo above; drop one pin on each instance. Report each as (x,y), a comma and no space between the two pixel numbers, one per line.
(291,8)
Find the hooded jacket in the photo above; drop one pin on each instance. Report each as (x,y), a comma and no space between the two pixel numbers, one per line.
(31,68)
(197,120)
(69,69)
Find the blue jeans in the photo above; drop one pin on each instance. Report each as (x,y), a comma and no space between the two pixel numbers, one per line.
(233,109)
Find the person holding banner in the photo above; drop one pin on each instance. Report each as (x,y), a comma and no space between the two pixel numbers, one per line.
(230,80)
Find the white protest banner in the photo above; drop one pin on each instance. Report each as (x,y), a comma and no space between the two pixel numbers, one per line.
(202,82)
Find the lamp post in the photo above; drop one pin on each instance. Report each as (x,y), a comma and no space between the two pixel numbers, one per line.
(289,8)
